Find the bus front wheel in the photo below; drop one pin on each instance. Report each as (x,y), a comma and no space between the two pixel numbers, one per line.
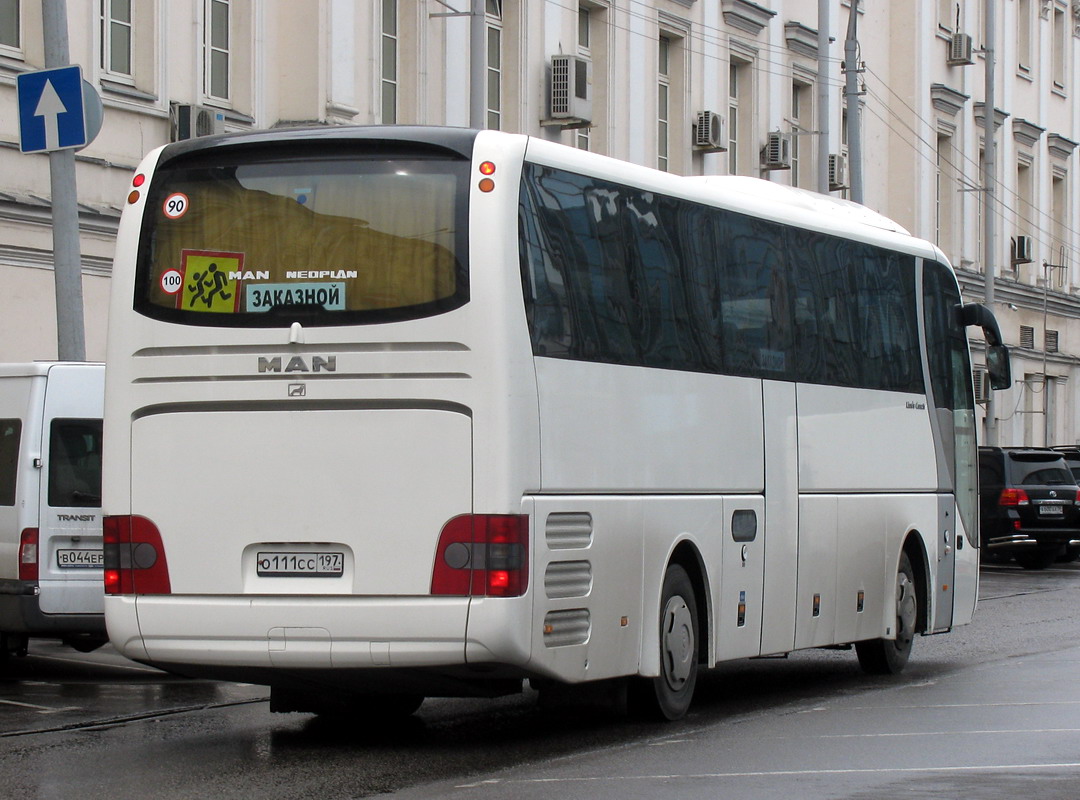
(888,656)
(668,695)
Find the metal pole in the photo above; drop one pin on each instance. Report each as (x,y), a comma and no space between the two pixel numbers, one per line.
(824,116)
(67,257)
(478,65)
(852,93)
(988,171)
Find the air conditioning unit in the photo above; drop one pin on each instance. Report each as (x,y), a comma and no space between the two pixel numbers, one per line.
(189,121)
(838,177)
(960,50)
(570,92)
(981,379)
(710,132)
(777,151)
(1022,250)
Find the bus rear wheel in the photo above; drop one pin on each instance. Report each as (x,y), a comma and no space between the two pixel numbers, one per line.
(668,696)
(889,656)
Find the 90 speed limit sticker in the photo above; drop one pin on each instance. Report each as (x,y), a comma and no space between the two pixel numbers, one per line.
(175,205)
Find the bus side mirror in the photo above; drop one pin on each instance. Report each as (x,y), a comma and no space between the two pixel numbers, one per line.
(997,354)
(998,367)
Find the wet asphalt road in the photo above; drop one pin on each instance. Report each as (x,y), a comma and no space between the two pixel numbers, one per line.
(990,710)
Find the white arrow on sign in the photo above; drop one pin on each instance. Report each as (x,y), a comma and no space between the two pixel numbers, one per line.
(50,107)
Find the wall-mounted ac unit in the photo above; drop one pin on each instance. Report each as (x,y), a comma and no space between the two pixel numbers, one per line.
(777,151)
(960,52)
(570,92)
(838,177)
(190,121)
(710,132)
(981,379)
(1022,250)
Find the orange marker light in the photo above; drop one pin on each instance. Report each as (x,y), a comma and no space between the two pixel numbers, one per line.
(487,168)
(487,185)
(133,197)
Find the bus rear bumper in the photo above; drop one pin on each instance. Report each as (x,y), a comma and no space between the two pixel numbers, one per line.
(291,633)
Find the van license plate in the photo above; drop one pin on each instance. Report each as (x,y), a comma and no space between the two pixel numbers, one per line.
(1052,511)
(80,559)
(300,565)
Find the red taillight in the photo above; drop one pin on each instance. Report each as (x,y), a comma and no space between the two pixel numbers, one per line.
(1013,497)
(134,557)
(483,555)
(28,555)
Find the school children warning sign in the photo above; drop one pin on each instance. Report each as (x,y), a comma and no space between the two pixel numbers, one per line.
(207,285)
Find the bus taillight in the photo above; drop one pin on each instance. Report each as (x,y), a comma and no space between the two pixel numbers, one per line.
(134,557)
(28,555)
(483,555)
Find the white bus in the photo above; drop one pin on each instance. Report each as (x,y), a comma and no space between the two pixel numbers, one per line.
(407,412)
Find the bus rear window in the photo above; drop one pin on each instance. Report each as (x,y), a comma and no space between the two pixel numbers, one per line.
(317,239)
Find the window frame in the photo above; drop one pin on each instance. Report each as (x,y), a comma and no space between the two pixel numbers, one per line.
(210,49)
(107,23)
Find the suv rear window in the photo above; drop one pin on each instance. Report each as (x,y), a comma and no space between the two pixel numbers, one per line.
(1037,470)
(266,237)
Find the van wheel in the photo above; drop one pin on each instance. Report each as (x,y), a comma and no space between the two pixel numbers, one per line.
(888,656)
(668,696)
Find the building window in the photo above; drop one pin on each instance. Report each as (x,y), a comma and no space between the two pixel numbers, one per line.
(116,37)
(663,102)
(740,116)
(9,24)
(1027,337)
(582,136)
(945,195)
(1060,48)
(217,49)
(389,61)
(1023,36)
(1025,193)
(802,121)
(494,64)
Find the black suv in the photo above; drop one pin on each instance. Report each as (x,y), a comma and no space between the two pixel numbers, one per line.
(1028,503)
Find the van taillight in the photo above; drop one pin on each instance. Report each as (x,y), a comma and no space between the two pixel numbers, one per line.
(28,555)
(1013,497)
(482,555)
(134,557)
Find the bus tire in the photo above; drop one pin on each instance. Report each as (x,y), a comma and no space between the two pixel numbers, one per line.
(668,696)
(889,656)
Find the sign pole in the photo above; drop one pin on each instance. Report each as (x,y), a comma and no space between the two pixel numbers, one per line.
(67,255)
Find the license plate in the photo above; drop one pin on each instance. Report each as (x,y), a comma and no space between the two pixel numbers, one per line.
(80,559)
(1051,511)
(300,565)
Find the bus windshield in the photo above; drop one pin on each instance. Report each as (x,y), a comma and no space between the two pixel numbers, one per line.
(324,240)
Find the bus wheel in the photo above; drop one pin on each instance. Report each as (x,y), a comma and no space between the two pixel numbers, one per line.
(888,656)
(668,695)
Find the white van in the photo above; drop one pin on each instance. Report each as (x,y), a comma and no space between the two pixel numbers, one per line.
(50,504)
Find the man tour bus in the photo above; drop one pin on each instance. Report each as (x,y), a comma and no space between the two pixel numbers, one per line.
(400,412)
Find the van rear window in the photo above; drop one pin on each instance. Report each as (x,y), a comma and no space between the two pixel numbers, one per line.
(10,434)
(75,463)
(264,238)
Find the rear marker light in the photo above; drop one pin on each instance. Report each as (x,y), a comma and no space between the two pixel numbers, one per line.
(487,185)
(482,555)
(138,180)
(28,555)
(134,557)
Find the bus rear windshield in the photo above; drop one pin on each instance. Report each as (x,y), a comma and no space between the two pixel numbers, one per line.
(322,239)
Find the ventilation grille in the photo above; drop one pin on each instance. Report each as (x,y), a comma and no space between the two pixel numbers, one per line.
(1027,337)
(568,579)
(569,531)
(566,628)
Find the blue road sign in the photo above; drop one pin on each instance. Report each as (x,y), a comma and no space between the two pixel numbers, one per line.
(51,112)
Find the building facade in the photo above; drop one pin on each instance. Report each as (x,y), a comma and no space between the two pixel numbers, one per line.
(695,87)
